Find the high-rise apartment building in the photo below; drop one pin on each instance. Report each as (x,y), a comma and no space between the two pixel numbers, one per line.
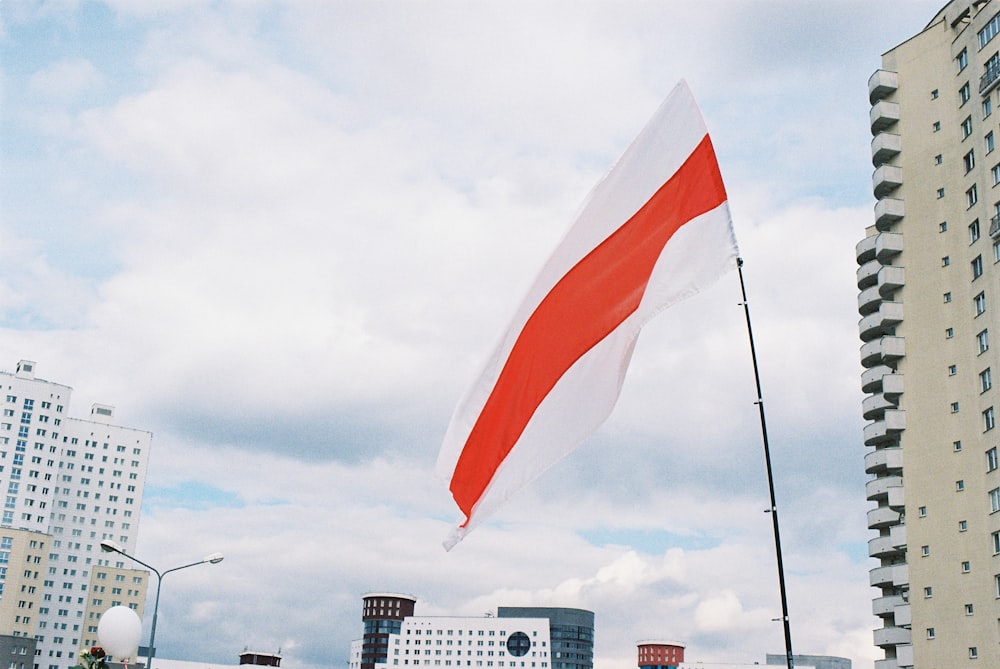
(67,484)
(929,281)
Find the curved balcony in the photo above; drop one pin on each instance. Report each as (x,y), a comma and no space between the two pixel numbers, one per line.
(888,663)
(893,575)
(882,322)
(883,547)
(882,350)
(881,84)
(885,179)
(883,115)
(891,636)
(882,517)
(887,429)
(874,406)
(886,606)
(885,145)
(868,274)
(871,379)
(888,244)
(884,460)
(865,249)
(890,279)
(869,300)
(879,488)
(888,210)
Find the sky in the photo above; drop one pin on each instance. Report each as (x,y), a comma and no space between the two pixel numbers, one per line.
(283,237)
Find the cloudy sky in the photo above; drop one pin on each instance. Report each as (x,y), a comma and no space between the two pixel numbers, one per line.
(284,236)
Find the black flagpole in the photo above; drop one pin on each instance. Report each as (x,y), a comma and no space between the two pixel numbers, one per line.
(770,477)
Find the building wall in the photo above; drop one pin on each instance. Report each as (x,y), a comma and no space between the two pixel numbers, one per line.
(929,293)
(572,632)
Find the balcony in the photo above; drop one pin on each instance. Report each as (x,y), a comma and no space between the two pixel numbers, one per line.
(888,210)
(868,300)
(990,78)
(879,488)
(885,145)
(897,533)
(868,274)
(893,575)
(886,179)
(865,249)
(888,245)
(886,606)
(871,379)
(883,115)
(880,351)
(882,322)
(873,407)
(884,460)
(883,547)
(995,227)
(890,279)
(887,663)
(891,636)
(881,84)
(882,517)
(887,429)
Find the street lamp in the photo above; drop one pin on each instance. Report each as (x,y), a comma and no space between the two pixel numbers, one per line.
(111,547)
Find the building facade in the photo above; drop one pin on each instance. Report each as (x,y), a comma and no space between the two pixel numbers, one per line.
(929,302)
(69,483)
(516,638)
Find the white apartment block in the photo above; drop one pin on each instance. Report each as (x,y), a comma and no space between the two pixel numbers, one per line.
(69,483)
(929,281)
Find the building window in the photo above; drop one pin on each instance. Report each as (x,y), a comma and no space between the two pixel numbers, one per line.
(964,93)
(952,370)
(994,500)
(971,196)
(947,297)
(996,251)
(962,59)
(969,160)
(979,301)
(987,107)
(922,512)
(925,550)
(937,126)
(988,32)
(928,592)
(938,159)
(974,231)
(945,261)
(973,652)
(989,142)
(954,407)
(949,333)
(991,460)
(983,341)
(966,127)
(985,379)
(989,420)
(966,566)
(969,609)
(977,267)
(959,485)
(940,193)
(963,526)
(943,226)
(995,538)
(930,632)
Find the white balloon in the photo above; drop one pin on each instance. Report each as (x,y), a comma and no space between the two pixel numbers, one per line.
(119,631)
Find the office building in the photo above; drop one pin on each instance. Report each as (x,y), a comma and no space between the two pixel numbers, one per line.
(516,638)
(929,301)
(69,483)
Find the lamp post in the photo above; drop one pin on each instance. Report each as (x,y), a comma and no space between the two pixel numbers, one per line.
(111,547)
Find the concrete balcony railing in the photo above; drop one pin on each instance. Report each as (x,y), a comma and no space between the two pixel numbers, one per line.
(881,322)
(884,460)
(891,636)
(864,251)
(881,84)
(888,210)
(887,429)
(869,300)
(882,517)
(890,279)
(883,115)
(886,606)
(893,575)
(881,351)
(885,145)
(886,179)
(871,379)
(887,245)
(879,488)
(867,274)
(874,406)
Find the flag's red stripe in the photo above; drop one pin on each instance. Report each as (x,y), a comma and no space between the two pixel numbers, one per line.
(586,305)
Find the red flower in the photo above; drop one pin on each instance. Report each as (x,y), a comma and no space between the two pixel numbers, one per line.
(97,652)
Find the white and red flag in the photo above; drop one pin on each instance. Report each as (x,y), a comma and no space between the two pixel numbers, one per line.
(654,231)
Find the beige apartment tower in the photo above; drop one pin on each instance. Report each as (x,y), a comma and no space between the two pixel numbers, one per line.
(929,282)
